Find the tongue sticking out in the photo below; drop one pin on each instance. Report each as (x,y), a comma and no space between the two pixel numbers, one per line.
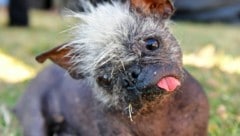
(169,83)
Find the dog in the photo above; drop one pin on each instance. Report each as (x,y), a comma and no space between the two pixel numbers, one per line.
(125,77)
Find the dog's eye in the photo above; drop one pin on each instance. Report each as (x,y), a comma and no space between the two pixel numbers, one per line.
(151,44)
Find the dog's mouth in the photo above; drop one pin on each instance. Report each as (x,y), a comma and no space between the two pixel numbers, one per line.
(151,82)
(137,96)
(142,84)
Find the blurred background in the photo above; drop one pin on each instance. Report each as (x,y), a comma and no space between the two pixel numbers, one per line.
(208,31)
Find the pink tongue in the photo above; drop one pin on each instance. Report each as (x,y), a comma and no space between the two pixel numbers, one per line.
(169,83)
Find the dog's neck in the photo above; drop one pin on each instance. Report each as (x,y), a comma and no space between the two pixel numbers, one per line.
(151,107)
(148,110)
(147,118)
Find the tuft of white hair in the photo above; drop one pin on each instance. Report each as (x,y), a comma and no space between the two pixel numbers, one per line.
(98,37)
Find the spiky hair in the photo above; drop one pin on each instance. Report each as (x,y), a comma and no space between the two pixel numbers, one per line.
(106,40)
(104,33)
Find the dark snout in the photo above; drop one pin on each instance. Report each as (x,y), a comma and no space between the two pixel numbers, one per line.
(145,77)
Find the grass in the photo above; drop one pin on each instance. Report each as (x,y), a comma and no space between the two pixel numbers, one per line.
(211,54)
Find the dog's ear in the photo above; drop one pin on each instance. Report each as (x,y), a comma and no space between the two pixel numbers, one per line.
(61,55)
(163,8)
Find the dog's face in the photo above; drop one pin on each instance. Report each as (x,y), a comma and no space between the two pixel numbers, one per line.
(125,50)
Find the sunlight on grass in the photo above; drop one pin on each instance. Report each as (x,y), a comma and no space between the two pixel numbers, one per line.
(208,58)
(13,70)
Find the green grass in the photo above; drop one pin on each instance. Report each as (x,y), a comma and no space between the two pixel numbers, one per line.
(219,74)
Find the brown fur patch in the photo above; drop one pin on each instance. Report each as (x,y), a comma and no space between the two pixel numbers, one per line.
(161,7)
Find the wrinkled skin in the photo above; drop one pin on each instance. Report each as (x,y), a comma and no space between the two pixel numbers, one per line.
(57,104)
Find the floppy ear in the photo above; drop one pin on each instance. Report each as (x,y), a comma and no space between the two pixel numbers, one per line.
(61,56)
(164,8)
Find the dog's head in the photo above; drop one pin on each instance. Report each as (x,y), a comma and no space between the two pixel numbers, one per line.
(125,51)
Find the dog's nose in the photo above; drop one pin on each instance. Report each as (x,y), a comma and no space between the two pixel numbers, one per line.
(134,72)
(131,76)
